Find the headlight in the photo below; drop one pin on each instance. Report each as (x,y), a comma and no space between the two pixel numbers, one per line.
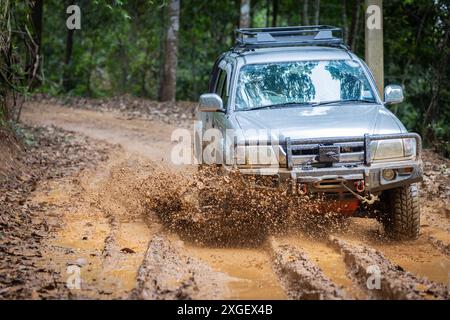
(409,147)
(256,155)
(393,149)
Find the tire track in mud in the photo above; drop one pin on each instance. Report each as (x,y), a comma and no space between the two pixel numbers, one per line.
(420,257)
(117,198)
(249,268)
(326,258)
(438,238)
(395,283)
(101,233)
(301,278)
(440,245)
(168,273)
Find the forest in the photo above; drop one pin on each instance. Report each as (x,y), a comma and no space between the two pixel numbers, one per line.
(122,48)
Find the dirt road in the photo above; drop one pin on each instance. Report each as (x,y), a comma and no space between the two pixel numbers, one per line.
(122,250)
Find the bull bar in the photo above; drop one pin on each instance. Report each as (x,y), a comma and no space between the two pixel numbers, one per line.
(299,144)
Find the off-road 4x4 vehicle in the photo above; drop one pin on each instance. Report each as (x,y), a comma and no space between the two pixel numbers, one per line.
(299,96)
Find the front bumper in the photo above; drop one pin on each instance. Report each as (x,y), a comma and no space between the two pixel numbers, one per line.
(331,179)
(339,177)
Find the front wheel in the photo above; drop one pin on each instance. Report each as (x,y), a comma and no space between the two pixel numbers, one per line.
(402,219)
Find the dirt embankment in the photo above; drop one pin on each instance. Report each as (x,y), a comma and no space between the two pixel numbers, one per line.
(435,197)
(139,228)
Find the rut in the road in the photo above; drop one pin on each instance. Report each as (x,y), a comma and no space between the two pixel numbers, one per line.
(301,278)
(364,263)
(167,273)
(440,245)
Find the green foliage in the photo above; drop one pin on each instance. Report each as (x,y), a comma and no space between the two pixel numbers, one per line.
(120,48)
(417,53)
(18,57)
(115,52)
(23,135)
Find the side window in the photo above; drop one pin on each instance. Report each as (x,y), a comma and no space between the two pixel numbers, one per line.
(221,87)
(220,82)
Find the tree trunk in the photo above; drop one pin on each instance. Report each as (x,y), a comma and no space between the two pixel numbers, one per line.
(169,78)
(36,18)
(274,13)
(374,49)
(353,35)
(244,21)
(317,13)
(67,81)
(344,21)
(305,13)
(267,13)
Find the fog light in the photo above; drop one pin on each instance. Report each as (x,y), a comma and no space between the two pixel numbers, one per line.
(388,174)
(406,170)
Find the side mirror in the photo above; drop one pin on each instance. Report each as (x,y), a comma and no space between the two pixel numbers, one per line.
(393,94)
(210,102)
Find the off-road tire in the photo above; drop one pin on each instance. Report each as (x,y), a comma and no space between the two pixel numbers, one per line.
(402,219)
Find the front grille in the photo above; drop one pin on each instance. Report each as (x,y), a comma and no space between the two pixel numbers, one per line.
(309,154)
(352,149)
(305,152)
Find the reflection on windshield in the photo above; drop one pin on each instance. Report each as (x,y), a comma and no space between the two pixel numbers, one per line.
(301,82)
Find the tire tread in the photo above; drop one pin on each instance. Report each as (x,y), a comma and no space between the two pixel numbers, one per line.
(403,221)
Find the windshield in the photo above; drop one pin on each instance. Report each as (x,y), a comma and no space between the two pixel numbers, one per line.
(301,82)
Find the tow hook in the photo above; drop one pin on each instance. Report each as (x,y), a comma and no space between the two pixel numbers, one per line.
(360,186)
(303,189)
(370,199)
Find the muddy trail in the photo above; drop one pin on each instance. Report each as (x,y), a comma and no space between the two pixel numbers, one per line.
(137,227)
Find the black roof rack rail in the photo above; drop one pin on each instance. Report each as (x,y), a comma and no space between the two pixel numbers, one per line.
(252,38)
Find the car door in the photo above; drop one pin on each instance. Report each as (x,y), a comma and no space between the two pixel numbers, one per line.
(218,86)
(222,88)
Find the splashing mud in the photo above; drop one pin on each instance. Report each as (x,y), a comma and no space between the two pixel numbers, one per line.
(228,209)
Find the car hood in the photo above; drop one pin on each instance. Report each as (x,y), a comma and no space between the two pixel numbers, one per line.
(319,122)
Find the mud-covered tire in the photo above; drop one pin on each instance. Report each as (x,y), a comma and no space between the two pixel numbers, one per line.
(402,219)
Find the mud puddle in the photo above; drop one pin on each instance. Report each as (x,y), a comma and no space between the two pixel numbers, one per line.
(168,272)
(382,279)
(301,278)
(250,270)
(326,258)
(420,256)
(95,233)
(103,273)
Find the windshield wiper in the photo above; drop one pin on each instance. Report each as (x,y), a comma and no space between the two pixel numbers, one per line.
(280,105)
(342,101)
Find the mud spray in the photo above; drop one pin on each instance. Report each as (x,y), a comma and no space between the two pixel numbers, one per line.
(215,208)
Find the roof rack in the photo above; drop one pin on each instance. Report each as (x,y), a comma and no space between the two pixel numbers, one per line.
(252,38)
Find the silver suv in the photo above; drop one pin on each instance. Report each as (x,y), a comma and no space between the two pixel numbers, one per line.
(294,107)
